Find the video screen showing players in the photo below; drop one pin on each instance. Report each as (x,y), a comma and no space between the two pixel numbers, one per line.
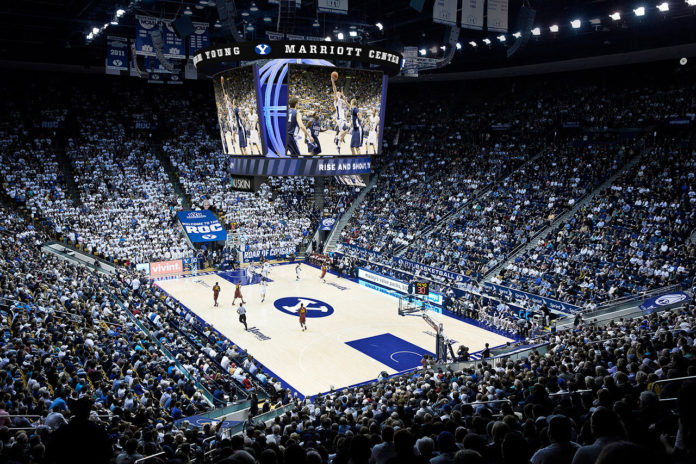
(238,112)
(333,111)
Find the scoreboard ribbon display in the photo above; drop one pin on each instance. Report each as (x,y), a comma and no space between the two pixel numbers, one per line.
(201,226)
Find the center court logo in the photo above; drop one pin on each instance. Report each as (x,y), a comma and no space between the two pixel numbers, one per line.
(262,49)
(315,308)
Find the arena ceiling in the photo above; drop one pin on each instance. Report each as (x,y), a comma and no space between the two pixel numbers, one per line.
(55,30)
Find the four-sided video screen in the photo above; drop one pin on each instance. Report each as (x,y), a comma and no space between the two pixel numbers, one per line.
(236,98)
(333,111)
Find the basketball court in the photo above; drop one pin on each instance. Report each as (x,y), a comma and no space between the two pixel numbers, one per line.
(328,147)
(353,334)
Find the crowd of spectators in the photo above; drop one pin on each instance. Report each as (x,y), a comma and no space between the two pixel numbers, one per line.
(632,237)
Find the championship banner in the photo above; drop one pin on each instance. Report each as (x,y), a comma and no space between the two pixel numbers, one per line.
(256,166)
(200,37)
(497,15)
(327,223)
(445,12)
(332,6)
(208,60)
(173,47)
(201,226)
(410,68)
(117,53)
(472,14)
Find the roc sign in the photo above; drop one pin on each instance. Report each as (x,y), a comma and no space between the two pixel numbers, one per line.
(201,226)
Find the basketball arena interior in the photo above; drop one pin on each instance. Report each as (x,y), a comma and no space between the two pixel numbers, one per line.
(348,231)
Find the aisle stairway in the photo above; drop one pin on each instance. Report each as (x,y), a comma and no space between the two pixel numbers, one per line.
(156,149)
(67,170)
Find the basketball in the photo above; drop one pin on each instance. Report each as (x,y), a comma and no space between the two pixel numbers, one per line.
(334,76)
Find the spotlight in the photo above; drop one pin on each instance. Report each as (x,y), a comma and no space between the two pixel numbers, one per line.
(95,30)
(473,44)
(487,41)
(379,26)
(188,11)
(442,47)
(327,39)
(459,46)
(90,36)
(353,34)
(517,35)
(340,36)
(575,23)
(536,31)
(422,51)
(250,27)
(553,28)
(253,7)
(114,22)
(120,12)
(663,6)
(502,37)
(683,61)
(691,2)
(615,16)
(640,11)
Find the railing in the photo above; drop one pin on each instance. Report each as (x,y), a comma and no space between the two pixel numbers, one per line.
(656,390)
(611,306)
(147,458)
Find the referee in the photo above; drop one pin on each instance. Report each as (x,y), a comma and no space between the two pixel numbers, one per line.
(242,315)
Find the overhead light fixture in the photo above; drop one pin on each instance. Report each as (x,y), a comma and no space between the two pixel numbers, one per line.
(683,61)
(95,30)
(90,36)
(640,11)
(188,11)
(198,6)
(114,22)
(245,13)
(459,46)
(217,24)
(340,36)
(473,44)
(250,27)
(615,16)
(691,2)
(575,24)
(442,47)
(487,41)
(502,37)
(379,26)
(315,23)
(554,28)
(253,7)
(327,39)
(120,12)
(422,51)
(267,19)
(664,6)
(536,31)
(517,35)
(595,21)
(353,34)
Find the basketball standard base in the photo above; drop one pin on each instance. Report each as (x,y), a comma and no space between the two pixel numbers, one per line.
(353,333)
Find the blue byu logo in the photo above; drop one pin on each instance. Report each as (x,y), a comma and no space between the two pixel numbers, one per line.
(291,305)
(209,236)
(328,222)
(262,49)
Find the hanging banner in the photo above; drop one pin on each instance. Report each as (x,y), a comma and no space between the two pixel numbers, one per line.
(327,223)
(472,14)
(117,53)
(201,226)
(273,36)
(172,46)
(497,15)
(200,37)
(295,37)
(445,12)
(332,6)
(298,3)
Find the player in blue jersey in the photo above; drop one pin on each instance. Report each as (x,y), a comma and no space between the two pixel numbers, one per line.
(314,126)
(295,126)
(356,134)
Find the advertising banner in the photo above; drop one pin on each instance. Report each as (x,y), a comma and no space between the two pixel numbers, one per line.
(202,226)
(164,268)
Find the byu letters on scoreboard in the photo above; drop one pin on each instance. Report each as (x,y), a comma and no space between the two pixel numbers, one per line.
(202,226)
